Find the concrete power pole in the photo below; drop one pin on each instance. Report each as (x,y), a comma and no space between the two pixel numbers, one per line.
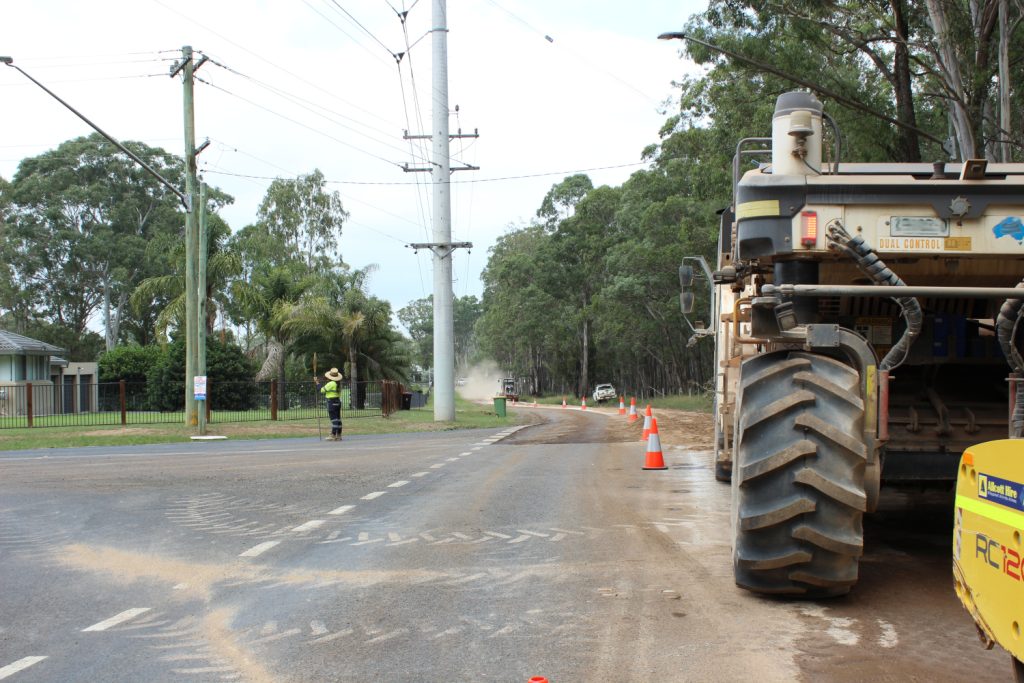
(442,246)
(444,322)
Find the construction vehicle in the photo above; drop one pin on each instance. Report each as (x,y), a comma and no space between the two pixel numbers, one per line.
(988,573)
(863,315)
(509,388)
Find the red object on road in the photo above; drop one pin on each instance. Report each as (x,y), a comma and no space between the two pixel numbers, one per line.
(655,459)
(538,679)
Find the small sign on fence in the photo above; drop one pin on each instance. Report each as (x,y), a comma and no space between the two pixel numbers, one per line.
(199,387)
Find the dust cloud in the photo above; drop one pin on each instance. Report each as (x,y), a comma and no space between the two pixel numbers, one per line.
(481,381)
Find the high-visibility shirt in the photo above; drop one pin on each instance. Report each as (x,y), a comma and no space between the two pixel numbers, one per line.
(331,390)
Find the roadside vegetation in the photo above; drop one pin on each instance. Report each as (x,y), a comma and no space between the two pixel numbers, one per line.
(468,415)
(585,292)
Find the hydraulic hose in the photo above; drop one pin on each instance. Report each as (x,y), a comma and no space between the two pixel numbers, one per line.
(872,266)
(1007,323)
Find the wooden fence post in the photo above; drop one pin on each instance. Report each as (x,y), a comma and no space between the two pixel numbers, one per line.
(28,402)
(273,399)
(124,403)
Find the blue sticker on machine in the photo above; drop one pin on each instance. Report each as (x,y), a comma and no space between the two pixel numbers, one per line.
(1011,226)
(1002,491)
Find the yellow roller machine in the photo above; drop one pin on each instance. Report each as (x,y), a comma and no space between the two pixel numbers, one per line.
(988,547)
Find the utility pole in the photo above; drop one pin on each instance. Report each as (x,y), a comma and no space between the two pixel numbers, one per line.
(195,328)
(442,246)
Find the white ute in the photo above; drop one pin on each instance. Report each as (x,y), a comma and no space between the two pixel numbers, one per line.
(604,392)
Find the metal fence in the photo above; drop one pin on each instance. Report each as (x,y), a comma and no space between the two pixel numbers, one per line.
(136,403)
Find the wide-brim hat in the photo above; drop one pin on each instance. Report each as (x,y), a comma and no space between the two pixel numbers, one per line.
(333,374)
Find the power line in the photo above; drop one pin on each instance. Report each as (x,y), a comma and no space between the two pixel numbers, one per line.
(87,80)
(372,53)
(525,176)
(366,30)
(299,123)
(297,101)
(263,59)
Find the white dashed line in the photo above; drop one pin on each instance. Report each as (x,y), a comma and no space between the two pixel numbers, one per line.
(397,484)
(372,540)
(421,474)
(437,465)
(117,619)
(309,526)
(408,540)
(557,537)
(520,539)
(476,448)
(532,533)
(20,665)
(342,510)
(452,459)
(393,537)
(496,534)
(462,455)
(259,549)
(371,496)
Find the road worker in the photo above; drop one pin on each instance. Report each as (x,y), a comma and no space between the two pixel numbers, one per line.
(332,392)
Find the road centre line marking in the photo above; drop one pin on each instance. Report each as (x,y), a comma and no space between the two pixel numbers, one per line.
(116,619)
(566,531)
(259,549)
(20,665)
(372,540)
(397,484)
(336,540)
(496,534)
(310,525)
(333,636)
(520,538)
(371,496)
(342,510)
(393,537)
(452,459)
(437,465)
(462,455)
(408,540)
(557,537)
(421,474)
(476,448)
(532,533)
(277,636)
(363,535)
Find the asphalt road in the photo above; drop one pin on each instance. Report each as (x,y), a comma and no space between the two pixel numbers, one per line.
(485,555)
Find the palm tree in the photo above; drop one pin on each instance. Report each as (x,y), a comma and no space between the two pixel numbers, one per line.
(267,300)
(221,268)
(340,315)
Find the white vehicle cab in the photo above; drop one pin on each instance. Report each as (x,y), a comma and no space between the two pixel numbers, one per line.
(604,392)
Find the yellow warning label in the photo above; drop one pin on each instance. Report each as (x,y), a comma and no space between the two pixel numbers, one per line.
(958,244)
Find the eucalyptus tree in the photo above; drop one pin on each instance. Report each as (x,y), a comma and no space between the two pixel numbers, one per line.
(80,219)
(305,217)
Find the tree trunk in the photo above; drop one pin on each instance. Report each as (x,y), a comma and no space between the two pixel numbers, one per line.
(1004,150)
(353,378)
(909,144)
(949,66)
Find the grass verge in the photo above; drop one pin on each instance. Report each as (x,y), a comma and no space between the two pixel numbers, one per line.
(468,415)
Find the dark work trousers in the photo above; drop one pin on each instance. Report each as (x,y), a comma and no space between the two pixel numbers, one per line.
(334,412)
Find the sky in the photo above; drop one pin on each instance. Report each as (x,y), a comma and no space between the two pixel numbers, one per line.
(553,87)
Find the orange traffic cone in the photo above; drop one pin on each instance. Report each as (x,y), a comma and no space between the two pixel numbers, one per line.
(537,679)
(647,423)
(584,406)
(563,401)
(633,417)
(655,460)
(622,406)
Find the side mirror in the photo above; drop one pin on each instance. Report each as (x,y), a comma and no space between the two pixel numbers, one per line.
(686,301)
(685,276)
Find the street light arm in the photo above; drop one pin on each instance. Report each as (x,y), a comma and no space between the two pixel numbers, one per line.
(185,200)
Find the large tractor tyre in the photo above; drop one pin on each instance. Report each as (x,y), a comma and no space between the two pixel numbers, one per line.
(798,476)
